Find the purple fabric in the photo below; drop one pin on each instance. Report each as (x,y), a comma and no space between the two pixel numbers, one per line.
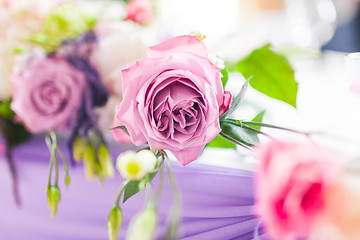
(217,202)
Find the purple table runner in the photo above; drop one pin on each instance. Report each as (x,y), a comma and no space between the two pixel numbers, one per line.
(217,202)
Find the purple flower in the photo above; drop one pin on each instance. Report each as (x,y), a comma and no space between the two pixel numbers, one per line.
(172,98)
(47,94)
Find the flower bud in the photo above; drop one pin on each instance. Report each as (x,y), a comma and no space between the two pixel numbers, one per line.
(78,148)
(114,222)
(135,166)
(53,194)
(67,181)
(89,161)
(143,225)
(105,161)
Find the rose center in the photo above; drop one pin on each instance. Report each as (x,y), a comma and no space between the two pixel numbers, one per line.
(51,98)
(177,111)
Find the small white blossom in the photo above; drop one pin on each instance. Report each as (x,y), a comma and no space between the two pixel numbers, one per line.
(135,166)
(217,61)
(143,225)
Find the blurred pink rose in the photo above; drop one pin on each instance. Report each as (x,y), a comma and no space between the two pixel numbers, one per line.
(47,93)
(172,98)
(140,11)
(343,211)
(293,180)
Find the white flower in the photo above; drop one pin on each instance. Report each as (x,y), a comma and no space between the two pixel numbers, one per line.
(120,45)
(217,61)
(142,226)
(136,165)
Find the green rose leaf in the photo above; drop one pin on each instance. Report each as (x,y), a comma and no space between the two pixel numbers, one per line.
(237,100)
(258,118)
(220,142)
(225,76)
(272,74)
(5,110)
(244,136)
(14,133)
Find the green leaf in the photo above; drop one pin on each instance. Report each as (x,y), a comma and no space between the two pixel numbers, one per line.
(5,110)
(220,142)
(237,100)
(272,74)
(242,135)
(258,118)
(121,127)
(14,133)
(295,51)
(134,187)
(225,76)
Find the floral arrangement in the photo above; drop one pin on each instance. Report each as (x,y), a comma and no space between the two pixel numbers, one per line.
(66,76)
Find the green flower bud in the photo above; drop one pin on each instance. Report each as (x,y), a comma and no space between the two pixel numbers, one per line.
(106,161)
(67,181)
(89,161)
(143,225)
(53,194)
(114,222)
(78,148)
(98,170)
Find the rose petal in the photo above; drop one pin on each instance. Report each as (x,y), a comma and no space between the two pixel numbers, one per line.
(185,43)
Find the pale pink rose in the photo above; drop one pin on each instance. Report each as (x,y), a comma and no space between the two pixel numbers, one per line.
(171,99)
(47,94)
(140,11)
(292,182)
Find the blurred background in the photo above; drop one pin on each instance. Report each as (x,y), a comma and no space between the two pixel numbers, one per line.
(316,35)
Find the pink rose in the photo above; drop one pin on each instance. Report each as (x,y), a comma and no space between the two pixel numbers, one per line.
(293,180)
(47,94)
(227,99)
(171,99)
(140,11)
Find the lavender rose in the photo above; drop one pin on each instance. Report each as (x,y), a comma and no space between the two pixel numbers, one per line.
(47,93)
(172,98)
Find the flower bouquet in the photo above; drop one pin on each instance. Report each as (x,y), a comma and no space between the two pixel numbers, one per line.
(69,78)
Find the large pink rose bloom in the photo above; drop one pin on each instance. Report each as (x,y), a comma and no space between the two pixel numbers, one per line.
(47,94)
(293,181)
(171,99)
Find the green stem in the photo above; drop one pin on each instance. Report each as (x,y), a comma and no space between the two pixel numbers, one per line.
(176,206)
(242,125)
(120,192)
(275,127)
(233,140)
(53,149)
(161,183)
(66,166)
(49,145)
